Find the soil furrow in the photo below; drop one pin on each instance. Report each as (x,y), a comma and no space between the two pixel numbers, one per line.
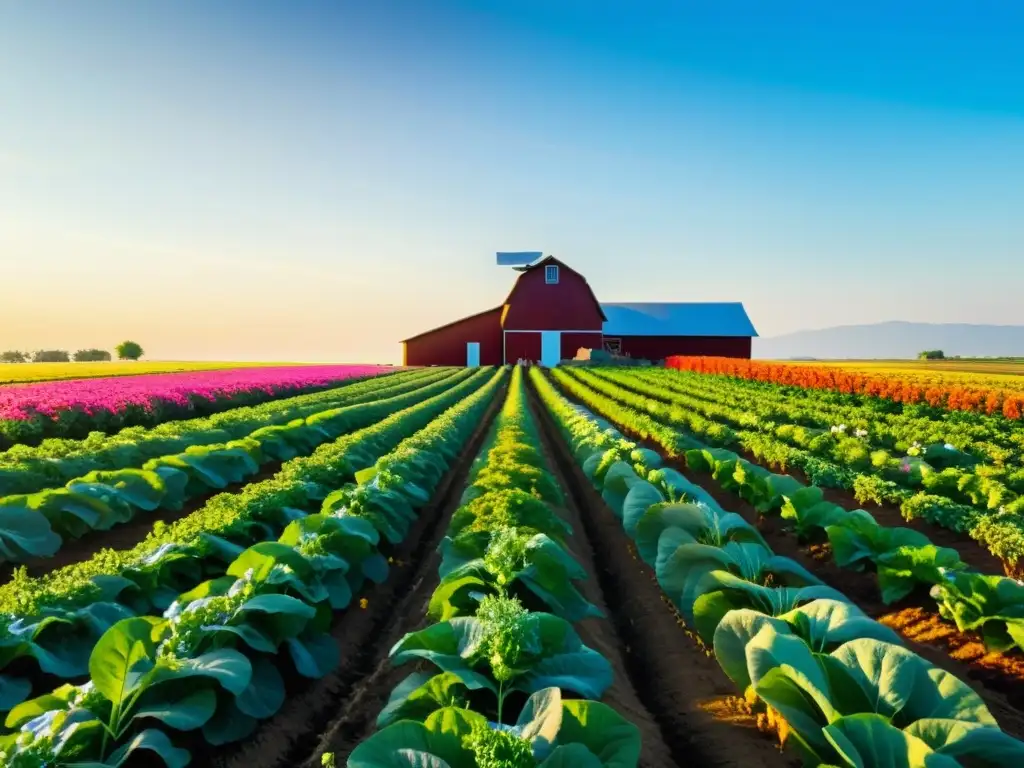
(684,703)
(336,712)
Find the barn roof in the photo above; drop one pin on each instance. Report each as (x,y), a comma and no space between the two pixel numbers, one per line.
(679,319)
(552,260)
(495,310)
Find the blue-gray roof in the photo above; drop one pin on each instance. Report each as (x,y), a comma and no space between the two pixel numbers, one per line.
(681,319)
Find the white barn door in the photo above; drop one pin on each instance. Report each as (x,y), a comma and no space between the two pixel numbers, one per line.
(473,354)
(550,348)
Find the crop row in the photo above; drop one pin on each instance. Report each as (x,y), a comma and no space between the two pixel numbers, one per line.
(35,524)
(881,423)
(839,687)
(55,620)
(30,412)
(890,386)
(55,461)
(503,613)
(920,489)
(903,558)
(212,663)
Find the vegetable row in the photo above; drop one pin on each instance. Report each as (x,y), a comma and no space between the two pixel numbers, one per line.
(977,438)
(27,469)
(36,524)
(502,648)
(899,388)
(840,688)
(213,664)
(903,559)
(841,461)
(54,621)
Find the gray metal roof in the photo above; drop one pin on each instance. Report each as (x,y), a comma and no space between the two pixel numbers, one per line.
(678,319)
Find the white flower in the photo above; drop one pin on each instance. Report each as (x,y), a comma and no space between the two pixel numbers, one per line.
(237,587)
(173,611)
(860,432)
(949,447)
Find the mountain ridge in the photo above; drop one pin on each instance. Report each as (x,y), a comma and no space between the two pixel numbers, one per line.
(893,340)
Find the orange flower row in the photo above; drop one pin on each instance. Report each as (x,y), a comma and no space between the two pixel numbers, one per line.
(891,386)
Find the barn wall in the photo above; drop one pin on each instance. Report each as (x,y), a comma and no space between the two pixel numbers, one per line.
(659,347)
(571,342)
(522,346)
(569,305)
(447,345)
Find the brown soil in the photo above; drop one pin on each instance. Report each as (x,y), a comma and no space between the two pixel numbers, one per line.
(694,708)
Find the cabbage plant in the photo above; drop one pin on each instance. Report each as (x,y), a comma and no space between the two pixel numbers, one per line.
(812,691)
(550,732)
(517,563)
(903,558)
(504,648)
(993,606)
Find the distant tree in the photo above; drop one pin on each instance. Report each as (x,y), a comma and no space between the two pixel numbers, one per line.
(51,356)
(14,357)
(931,354)
(129,350)
(91,356)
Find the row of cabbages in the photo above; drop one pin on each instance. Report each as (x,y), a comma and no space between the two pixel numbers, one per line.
(36,524)
(212,662)
(56,621)
(503,649)
(936,482)
(903,558)
(841,687)
(57,461)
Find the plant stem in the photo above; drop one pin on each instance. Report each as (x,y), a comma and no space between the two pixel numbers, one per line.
(501,698)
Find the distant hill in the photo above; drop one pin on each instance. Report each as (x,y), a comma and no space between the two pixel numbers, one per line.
(894,340)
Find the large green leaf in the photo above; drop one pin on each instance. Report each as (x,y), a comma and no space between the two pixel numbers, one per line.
(151,739)
(124,656)
(420,695)
(976,744)
(604,732)
(315,656)
(869,741)
(25,533)
(437,743)
(786,675)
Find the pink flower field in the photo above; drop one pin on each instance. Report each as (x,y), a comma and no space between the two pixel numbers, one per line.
(115,394)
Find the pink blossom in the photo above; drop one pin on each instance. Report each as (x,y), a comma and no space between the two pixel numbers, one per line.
(20,402)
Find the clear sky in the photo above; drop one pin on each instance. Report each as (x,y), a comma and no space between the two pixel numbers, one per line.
(316,181)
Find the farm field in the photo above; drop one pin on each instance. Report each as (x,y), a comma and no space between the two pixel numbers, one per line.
(32,412)
(610,562)
(982,370)
(22,373)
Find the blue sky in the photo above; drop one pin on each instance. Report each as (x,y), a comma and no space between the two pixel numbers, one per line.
(319,180)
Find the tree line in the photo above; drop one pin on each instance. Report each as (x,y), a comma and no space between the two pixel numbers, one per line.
(126,350)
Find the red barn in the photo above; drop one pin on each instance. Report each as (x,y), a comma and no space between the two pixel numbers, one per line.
(552,312)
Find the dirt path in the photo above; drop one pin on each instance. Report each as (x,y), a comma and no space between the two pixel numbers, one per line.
(685,706)
(336,712)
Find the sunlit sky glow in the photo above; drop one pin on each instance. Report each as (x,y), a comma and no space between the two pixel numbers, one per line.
(315,181)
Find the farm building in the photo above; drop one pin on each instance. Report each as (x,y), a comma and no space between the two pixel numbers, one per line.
(552,312)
